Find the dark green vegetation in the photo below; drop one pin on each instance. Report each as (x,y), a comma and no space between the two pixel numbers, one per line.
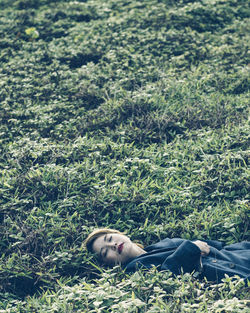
(126,114)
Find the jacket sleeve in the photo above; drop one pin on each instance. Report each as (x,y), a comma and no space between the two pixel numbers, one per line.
(185,259)
(244,245)
(214,243)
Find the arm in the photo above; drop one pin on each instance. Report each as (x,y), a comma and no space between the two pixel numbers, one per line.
(185,259)
(216,244)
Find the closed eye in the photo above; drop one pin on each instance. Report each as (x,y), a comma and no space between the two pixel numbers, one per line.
(105,253)
(110,238)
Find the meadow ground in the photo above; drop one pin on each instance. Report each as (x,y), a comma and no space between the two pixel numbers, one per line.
(124,114)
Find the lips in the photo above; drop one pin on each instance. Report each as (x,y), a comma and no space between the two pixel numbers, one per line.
(120,247)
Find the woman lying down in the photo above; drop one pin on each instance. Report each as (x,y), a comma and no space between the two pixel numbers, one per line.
(208,259)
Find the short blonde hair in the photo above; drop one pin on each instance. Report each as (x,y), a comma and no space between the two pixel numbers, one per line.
(88,243)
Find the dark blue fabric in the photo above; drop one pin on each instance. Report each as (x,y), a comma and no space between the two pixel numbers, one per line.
(183,256)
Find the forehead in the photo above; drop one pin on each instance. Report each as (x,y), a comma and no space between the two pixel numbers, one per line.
(98,243)
(99,239)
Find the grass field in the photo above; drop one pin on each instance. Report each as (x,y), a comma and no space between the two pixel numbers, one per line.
(131,115)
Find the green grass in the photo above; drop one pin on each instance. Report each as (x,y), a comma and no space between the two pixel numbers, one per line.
(124,114)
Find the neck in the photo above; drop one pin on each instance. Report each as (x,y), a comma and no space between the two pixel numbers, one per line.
(137,251)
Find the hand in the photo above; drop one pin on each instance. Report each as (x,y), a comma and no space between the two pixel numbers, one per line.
(203,246)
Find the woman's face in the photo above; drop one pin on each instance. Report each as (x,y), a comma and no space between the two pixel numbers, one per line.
(114,248)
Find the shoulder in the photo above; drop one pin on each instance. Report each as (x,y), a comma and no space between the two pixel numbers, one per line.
(166,243)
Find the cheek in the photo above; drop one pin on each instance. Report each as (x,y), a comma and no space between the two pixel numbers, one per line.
(112,258)
(127,248)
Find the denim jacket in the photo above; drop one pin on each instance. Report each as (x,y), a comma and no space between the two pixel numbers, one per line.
(183,256)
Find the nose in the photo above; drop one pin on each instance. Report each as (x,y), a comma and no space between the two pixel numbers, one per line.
(113,245)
